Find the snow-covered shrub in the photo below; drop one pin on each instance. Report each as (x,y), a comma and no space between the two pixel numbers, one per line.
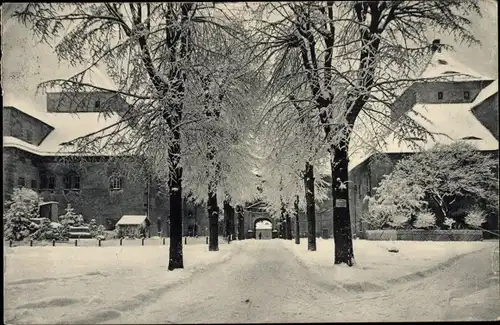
(22,207)
(48,231)
(110,234)
(395,201)
(70,219)
(425,220)
(475,218)
(100,230)
(93,227)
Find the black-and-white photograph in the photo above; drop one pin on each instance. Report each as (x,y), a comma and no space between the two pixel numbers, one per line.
(250,162)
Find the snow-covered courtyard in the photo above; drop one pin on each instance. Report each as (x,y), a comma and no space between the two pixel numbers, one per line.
(251,281)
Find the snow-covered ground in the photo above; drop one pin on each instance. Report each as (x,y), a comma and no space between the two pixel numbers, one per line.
(247,281)
(44,283)
(375,264)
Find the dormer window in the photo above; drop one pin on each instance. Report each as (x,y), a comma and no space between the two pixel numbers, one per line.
(471,137)
(414,139)
(466,95)
(440,95)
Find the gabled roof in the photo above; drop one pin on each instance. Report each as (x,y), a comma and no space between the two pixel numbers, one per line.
(69,126)
(66,128)
(454,122)
(132,220)
(486,93)
(443,65)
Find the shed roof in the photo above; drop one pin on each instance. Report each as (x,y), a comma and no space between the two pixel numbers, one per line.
(132,220)
(47,203)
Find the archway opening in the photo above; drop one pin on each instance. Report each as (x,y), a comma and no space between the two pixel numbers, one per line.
(263,228)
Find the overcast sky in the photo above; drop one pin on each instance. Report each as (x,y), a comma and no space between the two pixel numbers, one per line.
(25,63)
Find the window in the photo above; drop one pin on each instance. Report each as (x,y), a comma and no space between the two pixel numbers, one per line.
(72,181)
(466,95)
(34,184)
(97,105)
(21,182)
(440,95)
(47,182)
(115,183)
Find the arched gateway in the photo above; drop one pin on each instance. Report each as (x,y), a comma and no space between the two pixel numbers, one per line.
(264,226)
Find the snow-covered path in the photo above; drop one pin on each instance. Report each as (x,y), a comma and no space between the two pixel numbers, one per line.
(264,283)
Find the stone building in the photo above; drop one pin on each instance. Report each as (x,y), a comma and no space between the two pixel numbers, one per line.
(459,102)
(100,187)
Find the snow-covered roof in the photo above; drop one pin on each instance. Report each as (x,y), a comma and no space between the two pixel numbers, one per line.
(486,93)
(132,220)
(66,127)
(12,142)
(454,122)
(443,65)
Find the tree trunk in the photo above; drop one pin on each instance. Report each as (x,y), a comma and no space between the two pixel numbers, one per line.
(310,207)
(297,221)
(443,213)
(282,221)
(227,218)
(341,217)
(213,221)
(241,223)
(232,223)
(288,231)
(175,190)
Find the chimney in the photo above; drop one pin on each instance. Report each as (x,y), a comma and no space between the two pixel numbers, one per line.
(436,46)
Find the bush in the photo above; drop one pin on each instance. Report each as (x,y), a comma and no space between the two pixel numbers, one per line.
(22,207)
(48,231)
(93,228)
(395,203)
(70,219)
(100,230)
(109,234)
(475,218)
(425,220)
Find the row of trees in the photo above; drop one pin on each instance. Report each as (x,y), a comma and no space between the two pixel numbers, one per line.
(211,85)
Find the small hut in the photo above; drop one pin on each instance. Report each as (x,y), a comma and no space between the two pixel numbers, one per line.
(49,210)
(134,226)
